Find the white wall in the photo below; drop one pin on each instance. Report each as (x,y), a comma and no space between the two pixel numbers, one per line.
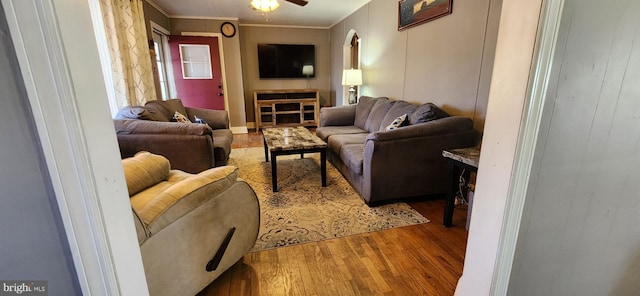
(509,85)
(579,233)
(58,58)
(34,244)
(447,61)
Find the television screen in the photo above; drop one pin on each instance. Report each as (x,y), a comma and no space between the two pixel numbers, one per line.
(286,60)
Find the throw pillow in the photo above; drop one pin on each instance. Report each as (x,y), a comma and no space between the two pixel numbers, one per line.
(427,112)
(398,122)
(179,117)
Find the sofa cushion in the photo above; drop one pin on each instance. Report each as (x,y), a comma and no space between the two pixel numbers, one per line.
(144,170)
(168,107)
(139,112)
(398,109)
(377,114)
(427,112)
(400,121)
(326,131)
(352,155)
(159,109)
(337,141)
(362,110)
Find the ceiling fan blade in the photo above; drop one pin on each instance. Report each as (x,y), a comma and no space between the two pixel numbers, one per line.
(299,2)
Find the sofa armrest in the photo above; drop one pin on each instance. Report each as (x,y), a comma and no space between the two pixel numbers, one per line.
(408,161)
(189,153)
(339,115)
(217,119)
(185,196)
(445,125)
(157,127)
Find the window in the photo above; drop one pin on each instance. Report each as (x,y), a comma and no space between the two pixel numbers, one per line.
(163,69)
(355,51)
(196,61)
(160,63)
(160,44)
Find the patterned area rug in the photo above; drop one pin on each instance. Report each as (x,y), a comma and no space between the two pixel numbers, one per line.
(303,211)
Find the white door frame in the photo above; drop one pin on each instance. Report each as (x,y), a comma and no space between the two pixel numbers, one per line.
(56,48)
(549,27)
(222,65)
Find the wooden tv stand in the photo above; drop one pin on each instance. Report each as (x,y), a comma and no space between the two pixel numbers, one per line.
(286,107)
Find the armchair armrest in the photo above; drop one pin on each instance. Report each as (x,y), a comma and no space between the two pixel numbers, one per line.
(186,195)
(339,115)
(217,119)
(157,127)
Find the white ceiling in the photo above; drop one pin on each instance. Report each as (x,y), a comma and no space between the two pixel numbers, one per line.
(318,13)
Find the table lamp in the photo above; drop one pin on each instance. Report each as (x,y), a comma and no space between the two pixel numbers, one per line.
(352,78)
(307,70)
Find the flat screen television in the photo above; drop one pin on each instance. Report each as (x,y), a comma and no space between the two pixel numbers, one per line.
(286,60)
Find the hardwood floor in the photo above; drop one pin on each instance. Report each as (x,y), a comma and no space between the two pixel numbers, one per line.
(421,259)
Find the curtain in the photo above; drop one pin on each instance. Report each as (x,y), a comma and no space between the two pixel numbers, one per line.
(129,52)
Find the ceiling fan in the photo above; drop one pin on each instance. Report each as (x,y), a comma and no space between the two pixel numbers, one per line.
(299,2)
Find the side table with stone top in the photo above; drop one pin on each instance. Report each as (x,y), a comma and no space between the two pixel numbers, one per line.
(467,159)
(292,140)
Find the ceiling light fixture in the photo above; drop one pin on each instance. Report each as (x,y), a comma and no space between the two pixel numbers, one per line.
(264,5)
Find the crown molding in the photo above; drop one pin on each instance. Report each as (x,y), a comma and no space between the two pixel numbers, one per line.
(204,18)
(284,26)
(156,6)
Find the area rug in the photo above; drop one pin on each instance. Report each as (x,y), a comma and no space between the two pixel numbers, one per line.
(302,210)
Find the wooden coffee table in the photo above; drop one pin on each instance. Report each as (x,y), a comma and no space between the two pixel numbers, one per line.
(298,140)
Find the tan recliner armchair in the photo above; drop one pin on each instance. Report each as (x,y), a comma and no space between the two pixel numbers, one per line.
(191,227)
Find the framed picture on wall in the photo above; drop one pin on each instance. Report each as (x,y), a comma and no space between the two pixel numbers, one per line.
(415,12)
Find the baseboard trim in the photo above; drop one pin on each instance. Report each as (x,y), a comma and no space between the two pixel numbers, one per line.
(239,130)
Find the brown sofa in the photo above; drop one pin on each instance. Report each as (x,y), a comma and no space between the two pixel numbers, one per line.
(191,227)
(400,163)
(191,147)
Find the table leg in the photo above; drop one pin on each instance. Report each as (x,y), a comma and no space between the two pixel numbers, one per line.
(449,201)
(274,172)
(266,152)
(323,167)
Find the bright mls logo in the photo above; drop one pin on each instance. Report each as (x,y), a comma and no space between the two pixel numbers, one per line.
(24,288)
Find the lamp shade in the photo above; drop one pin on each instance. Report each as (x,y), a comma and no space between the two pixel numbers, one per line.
(307,70)
(352,77)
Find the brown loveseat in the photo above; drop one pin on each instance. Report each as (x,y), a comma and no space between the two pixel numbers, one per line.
(189,147)
(387,165)
(191,227)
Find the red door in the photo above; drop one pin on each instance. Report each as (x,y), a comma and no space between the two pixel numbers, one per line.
(197,71)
